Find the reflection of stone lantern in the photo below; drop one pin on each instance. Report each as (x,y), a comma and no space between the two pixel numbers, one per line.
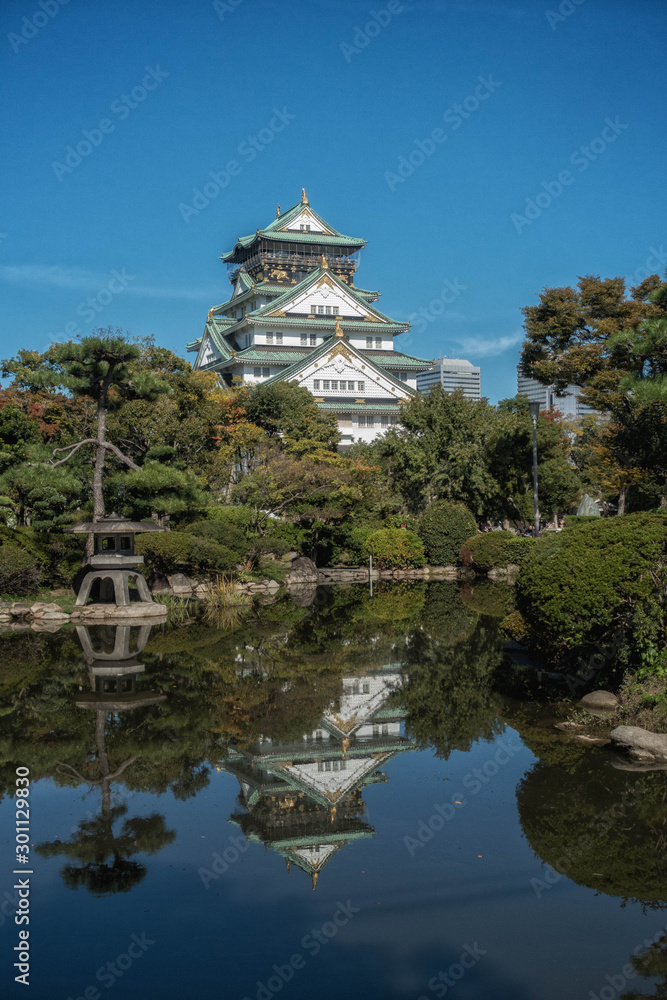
(114,670)
(114,563)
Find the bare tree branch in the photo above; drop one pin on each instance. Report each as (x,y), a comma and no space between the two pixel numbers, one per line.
(73,448)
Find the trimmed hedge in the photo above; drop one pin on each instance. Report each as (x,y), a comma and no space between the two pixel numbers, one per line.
(443,528)
(494,548)
(595,592)
(394,548)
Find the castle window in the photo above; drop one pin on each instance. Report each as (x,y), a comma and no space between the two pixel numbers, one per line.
(384,420)
(366,689)
(361,387)
(335,310)
(279,338)
(350,386)
(325,385)
(378,343)
(269,338)
(334,385)
(369,343)
(328,310)
(304,339)
(313,339)
(257,372)
(403,376)
(316,385)
(362,420)
(266,372)
(320,310)
(370,421)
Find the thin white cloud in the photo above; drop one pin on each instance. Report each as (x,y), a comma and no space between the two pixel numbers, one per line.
(80,279)
(487,347)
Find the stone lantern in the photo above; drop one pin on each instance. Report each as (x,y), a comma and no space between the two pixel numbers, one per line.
(114,562)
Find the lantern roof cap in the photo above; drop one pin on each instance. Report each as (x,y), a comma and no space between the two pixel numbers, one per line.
(114,524)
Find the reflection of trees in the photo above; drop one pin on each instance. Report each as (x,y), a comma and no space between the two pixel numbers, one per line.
(651,963)
(96,841)
(448,694)
(582,816)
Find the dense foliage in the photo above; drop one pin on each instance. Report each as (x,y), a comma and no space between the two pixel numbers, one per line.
(394,547)
(597,593)
(493,548)
(443,527)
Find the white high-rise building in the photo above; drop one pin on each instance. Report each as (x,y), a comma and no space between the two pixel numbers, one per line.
(569,405)
(452,374)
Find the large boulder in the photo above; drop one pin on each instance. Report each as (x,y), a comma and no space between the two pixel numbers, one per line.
(303,570)
(180,584)
(639,744)
(600,700)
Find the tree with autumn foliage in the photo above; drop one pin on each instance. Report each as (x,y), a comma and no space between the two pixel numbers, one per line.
(611,343)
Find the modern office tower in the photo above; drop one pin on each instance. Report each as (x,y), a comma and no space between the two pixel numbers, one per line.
(452,374)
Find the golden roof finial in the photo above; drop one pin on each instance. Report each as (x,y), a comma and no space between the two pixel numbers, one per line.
(210,314)
(332,814)
(339,328)
(304,197)
(288,865)
(346,742)
(325,264)
(278,212)
(314,881)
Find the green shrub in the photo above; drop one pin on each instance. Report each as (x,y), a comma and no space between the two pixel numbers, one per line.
(181,551)
(236,514)
(21,572)
(394,547)
(493,548)
(443,528)
(596,594)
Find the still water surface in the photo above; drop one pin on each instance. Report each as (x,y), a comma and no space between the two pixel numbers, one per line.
(349,799)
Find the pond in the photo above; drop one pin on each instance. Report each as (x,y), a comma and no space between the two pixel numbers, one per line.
(340,795)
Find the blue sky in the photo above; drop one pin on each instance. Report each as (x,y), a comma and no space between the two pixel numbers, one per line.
(482,106)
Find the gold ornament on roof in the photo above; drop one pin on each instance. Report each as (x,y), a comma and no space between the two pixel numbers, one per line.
(324,265)
(339,329)
(304,197)
(278,212)
(315,874)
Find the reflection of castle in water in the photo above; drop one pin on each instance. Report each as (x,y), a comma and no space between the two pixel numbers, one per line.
(304,799)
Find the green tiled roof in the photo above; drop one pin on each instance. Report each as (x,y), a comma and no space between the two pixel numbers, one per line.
(397,360)
(369,407)
(306,239)
(263,353)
